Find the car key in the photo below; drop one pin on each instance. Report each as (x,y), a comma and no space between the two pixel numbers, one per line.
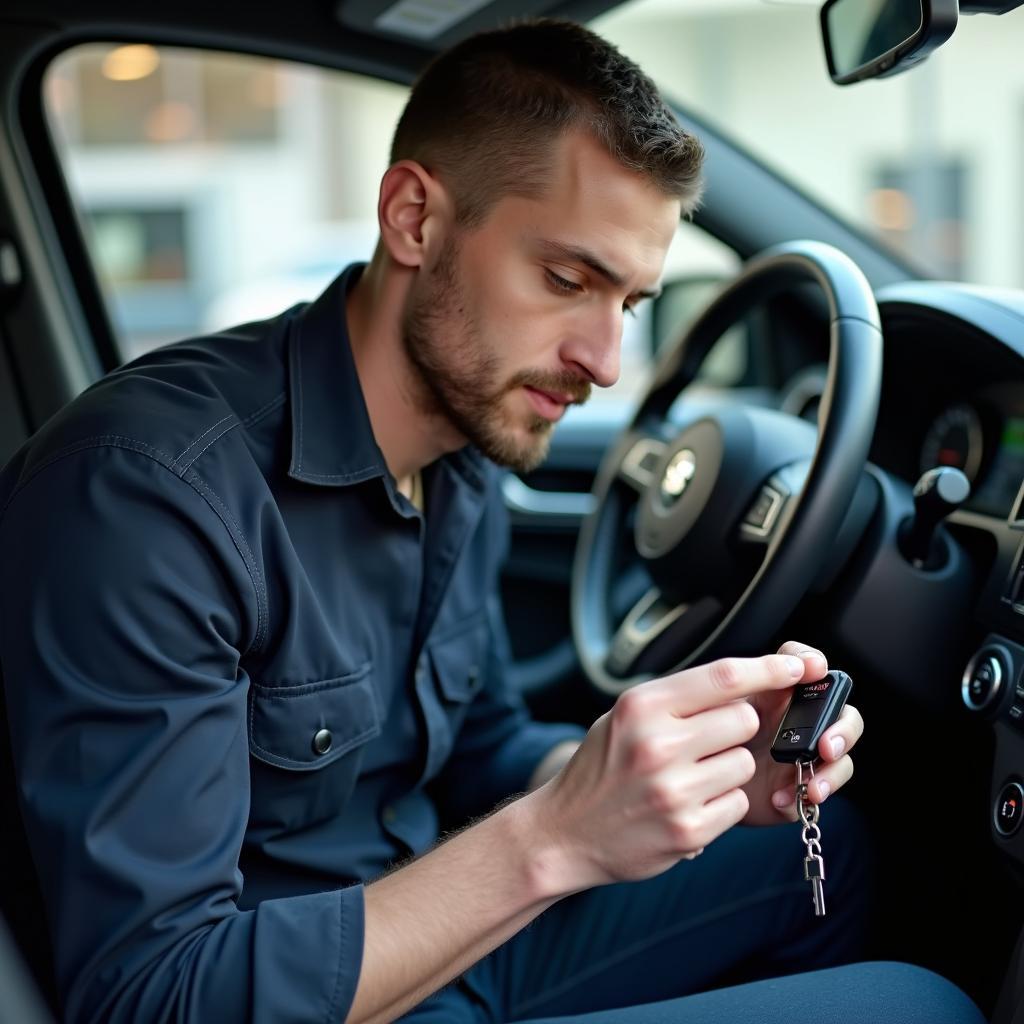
(813,708)
(810,836)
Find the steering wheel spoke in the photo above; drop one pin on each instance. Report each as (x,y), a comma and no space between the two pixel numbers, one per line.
(654,623)
(638,464)
(733,508)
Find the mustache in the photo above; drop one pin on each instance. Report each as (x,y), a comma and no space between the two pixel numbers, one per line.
(560,382)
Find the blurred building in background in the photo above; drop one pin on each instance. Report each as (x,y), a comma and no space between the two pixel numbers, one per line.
(215,188)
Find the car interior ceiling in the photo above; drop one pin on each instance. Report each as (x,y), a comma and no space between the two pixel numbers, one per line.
(48,256)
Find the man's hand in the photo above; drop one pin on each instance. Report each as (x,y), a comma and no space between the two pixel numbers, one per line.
(773,781)
(663,773)
(657,778)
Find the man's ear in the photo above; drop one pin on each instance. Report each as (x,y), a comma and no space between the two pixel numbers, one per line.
(415,213)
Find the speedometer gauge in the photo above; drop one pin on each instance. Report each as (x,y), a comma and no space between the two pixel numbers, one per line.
(955,438)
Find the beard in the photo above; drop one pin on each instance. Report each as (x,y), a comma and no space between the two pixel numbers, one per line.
(459,375)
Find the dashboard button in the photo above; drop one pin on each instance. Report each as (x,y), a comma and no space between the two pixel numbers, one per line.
(982,682)
(1009,809)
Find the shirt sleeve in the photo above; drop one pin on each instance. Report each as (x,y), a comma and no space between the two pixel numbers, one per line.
(125,611)
(499,745)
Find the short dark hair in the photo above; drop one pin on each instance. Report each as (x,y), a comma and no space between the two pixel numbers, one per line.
(485,114)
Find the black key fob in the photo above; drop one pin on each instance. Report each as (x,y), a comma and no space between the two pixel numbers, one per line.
(812,709)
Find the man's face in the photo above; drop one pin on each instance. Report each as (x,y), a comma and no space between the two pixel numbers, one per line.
(517,318)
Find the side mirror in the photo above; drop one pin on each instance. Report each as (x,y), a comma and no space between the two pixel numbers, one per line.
(876,38)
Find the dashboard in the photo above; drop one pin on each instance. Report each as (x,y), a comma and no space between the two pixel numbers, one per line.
(983,436)
(952,395)
(953,389)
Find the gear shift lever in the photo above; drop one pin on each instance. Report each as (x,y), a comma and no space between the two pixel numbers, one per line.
(939,492)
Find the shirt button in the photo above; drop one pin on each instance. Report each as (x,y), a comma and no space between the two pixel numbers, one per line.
(389,815)
(322,741)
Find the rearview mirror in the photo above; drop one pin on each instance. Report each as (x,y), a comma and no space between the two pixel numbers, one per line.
(875,38)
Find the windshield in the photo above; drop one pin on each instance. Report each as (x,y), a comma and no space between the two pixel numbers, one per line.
(929,161)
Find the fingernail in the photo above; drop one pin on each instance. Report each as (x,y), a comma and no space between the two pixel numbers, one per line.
(796,666)
(814,660)
(824,789)
(782,798)
(838,745)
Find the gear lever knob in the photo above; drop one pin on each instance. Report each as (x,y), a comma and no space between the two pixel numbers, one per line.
(939,492)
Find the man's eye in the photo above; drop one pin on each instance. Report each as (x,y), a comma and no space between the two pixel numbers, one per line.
(560,283)
(629,307)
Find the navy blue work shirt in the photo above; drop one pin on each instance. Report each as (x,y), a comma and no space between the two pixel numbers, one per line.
(243,673)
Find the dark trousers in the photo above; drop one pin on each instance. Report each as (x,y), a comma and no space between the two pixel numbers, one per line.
(729,938)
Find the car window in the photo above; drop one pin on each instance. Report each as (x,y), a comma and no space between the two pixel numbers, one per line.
(215,188)
(928,162)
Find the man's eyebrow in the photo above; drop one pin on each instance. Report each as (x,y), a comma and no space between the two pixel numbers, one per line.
(575,254)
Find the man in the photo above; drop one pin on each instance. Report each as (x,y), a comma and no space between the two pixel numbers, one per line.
(252,652)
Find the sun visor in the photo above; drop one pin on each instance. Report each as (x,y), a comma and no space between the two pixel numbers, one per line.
(438,24)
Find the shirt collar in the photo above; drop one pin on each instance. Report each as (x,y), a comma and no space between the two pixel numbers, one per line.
(332,438)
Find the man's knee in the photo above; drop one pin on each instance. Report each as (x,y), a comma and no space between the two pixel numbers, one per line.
(875,990)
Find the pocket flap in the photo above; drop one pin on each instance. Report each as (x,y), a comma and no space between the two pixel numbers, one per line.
(310,725)
(459,662)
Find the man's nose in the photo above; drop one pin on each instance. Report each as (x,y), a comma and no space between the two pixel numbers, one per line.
(595,347)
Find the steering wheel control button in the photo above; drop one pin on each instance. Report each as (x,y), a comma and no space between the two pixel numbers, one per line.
(641,462)
(762,514)
(322,741)
(1009,809)
(983,679)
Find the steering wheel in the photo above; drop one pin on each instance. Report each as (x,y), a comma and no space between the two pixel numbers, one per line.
(724,514)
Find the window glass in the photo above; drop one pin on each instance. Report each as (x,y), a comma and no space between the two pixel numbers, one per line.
(928,162)
(216,188)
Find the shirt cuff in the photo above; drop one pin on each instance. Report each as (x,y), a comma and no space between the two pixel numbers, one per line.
(515,763)
(297,941)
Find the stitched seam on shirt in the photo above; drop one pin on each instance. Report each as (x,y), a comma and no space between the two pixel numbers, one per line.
(263,410)
(182,454)
(354,475)
(214,439)
(652,940)
(99,441)
(329,1016)
(197,483)
(285,691)
(262,601)
(297,348)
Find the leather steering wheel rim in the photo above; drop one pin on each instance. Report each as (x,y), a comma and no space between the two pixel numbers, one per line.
(848,412)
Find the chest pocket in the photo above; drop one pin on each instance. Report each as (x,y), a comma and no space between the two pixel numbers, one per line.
(307,743)
(459,660)
(455,662)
